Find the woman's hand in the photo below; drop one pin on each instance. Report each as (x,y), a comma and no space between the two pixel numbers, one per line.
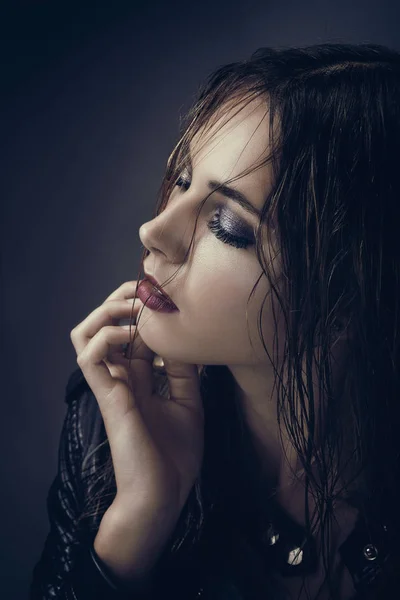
(156,443)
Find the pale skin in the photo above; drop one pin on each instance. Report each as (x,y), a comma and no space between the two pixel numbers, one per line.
(211,290)
(157,443)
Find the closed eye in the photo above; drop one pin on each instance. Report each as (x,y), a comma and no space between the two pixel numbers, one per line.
(214,225)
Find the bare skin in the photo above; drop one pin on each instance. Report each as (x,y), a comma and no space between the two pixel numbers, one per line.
(157,444)
(212,289)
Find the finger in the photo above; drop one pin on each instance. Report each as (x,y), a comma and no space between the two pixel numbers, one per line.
(102,350)
(140,365)
(106,345)
(125,291)
(184,384)
(103,315)
(94,356)
(117,367)
(136,375)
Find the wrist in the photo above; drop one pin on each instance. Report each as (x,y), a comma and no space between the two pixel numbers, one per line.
(128,546)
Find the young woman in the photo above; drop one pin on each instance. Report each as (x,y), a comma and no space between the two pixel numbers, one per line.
(244,442)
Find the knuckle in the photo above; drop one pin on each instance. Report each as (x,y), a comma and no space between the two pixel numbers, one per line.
(81,359)
(109,308)
(129,287)
(103,332)
(111,302)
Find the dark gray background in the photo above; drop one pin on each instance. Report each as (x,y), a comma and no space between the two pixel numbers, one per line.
(92,97)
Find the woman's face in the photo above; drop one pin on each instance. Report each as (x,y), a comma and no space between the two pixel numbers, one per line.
(212,286)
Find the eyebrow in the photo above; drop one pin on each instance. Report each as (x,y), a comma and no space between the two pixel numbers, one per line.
(234,195)
(229,192)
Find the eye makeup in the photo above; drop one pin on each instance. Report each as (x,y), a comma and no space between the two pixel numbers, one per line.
(224,225)
(230,230)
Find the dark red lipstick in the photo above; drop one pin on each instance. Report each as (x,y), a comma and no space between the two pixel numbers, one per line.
(153,296)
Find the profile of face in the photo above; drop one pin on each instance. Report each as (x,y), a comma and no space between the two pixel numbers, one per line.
(212,286)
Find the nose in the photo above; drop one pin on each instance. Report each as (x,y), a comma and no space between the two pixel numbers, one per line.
(148,239)
(168,233)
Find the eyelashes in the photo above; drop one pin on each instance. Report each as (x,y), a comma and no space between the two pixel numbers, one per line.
(225,236)
(215,226)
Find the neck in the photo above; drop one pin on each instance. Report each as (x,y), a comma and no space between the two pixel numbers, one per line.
(276,454)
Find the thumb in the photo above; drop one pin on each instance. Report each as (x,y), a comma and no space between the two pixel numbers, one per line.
(184,383)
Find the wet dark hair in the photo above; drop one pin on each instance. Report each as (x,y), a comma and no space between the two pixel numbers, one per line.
(334,112)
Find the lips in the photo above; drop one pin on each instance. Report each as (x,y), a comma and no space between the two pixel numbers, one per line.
(158,289)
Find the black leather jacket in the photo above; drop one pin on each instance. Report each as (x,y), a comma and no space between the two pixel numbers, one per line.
(69,569)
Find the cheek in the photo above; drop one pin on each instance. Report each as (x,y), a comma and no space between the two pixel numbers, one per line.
(222,299)
(222,271)
(221,293)
(219,311)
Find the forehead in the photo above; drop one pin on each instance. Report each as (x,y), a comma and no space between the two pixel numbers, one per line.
(234,141)
(237,129)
